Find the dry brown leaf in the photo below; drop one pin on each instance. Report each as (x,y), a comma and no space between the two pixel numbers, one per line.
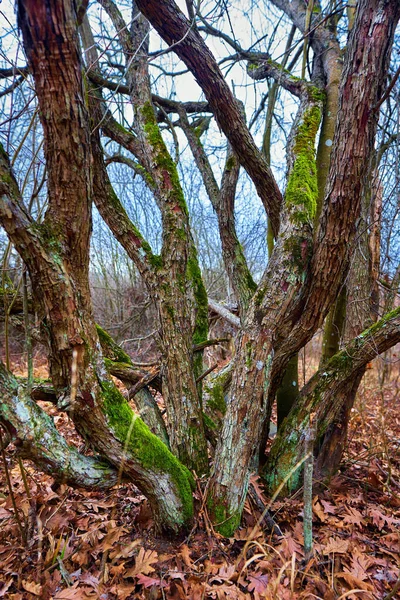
(5,588)
(123,590)
(329,508)
(143,564)
(336,546)
(111,538)
(360,563)
(258,582)
(150,581)
(319,511)
(75,593)
(4,513)
(125,551)
(185,553)
(354,582)
(32,587)
(353,517)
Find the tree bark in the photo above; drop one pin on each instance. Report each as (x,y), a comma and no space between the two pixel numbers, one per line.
(173,279)
(325,397)
(36,438)
(280,324)
(56,254)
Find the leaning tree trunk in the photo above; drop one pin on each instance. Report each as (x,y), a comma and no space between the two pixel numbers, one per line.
(325,399)
(360,314)
(36,437)
(280,324)
(173,279)
(56,254)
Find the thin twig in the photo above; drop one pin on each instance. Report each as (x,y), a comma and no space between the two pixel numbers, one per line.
(11,491)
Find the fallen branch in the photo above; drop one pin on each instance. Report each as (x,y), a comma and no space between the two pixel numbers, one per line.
(224,313)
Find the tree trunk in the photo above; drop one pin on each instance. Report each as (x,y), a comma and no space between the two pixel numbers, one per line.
(56,254)
(35,436)
(174,278)
(269,339)
(325,397)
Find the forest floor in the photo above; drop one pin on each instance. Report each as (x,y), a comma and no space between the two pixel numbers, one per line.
(72,544)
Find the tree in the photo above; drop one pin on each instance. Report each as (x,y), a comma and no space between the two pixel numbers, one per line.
(314,224)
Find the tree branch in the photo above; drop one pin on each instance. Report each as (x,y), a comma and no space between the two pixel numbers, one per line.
(27,425)
(172,25)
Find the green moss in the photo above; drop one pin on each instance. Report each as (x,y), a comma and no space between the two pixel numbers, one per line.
(251,66)
(143,246)
(224,523)
(230,163)
(379,324)
(259,296)
(209,423)
(156,261)
(121,129)
(116,365)
(276,472)
(170,311)
(193,272)
(216,398)
(147,449)
(198,132)
(299,249)
(251,284)
(249,355)
(316,95)
(111,348)
(163,158)
(145,174)
(302,188)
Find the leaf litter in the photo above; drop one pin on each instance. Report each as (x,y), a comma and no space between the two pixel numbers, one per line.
(84,545)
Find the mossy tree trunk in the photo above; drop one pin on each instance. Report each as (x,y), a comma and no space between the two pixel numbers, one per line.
(56,254)
(173,279)
(26,423)
(252,381)
(325,397)
(271,333)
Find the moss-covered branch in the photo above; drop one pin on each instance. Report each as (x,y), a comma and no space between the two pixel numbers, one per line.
(36,437)
(322,398)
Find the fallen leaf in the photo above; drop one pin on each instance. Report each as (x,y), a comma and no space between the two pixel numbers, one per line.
(143,563)
(354,582)
(111,538)
(185,553)
(5,588)
(150,581)
(336,546)
(353,517)
(123,590)
(329,508)
(258,583)
(32,587)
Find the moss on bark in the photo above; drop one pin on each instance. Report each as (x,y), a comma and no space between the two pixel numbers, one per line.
(147,449)
(302,187)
